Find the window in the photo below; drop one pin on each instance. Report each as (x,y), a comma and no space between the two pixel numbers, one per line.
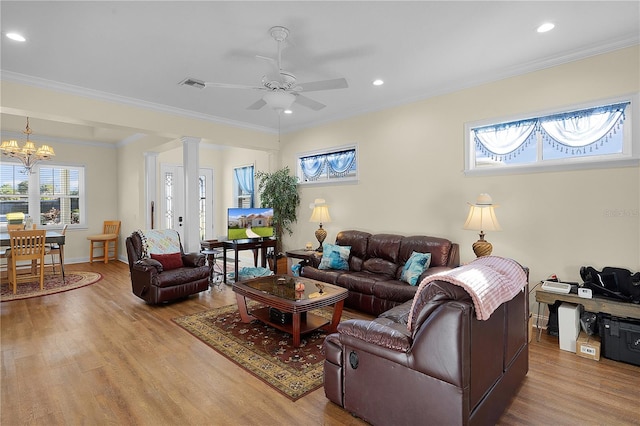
(202,210)
(334,165)
(52,196)
(594,135)
(243,178)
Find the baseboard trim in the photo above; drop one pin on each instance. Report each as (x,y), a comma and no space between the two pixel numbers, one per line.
(540,321)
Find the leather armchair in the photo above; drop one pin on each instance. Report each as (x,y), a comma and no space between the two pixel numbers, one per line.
(153,284)
(449,368)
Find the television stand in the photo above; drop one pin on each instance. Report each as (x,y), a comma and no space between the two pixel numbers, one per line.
(261,244)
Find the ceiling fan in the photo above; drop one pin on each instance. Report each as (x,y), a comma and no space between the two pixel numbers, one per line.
(281,86)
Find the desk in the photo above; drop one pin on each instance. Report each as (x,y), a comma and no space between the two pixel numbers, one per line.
(596,304)
(253,244)
(51,237)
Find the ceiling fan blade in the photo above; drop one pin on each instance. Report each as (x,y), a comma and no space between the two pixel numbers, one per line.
(232,86)
(338,83)
(268,59)
(309,103)
(257,104)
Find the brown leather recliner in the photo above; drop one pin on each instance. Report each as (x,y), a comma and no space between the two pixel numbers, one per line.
(153,284)
(450,368)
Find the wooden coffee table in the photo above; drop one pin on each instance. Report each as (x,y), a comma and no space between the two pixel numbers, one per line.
(278,291)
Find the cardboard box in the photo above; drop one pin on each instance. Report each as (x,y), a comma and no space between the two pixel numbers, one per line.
(568,325)
(588,346)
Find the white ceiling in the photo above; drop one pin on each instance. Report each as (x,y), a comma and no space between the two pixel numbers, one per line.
(138,51)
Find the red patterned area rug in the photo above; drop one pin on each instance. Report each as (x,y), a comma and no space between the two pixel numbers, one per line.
(52,284)
(264,351)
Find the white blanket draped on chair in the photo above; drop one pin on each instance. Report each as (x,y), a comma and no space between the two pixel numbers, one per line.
(490,280)
(159,241)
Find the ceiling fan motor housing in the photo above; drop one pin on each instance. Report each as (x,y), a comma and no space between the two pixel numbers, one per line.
(286,82)
(279,33)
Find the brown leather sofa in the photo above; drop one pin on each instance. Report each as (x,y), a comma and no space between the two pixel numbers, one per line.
(153,284)
(375,265)
(449,369)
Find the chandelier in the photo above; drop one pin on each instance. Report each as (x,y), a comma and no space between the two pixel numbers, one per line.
(29,155)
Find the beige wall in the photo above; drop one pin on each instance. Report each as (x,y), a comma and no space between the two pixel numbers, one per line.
(411,169)
(222,160)
(99,161)
(412,182)
(115,174)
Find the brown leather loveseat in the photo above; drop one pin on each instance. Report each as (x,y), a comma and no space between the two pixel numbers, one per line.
(375,264)
(155,283)
(430,360)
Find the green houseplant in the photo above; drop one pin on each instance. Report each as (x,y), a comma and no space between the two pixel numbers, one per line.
(279,190)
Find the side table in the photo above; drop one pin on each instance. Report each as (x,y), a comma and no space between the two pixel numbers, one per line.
(213,250)
(304,255)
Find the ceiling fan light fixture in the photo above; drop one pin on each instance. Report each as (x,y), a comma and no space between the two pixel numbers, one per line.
(546,27)
(16,37)
(279,100)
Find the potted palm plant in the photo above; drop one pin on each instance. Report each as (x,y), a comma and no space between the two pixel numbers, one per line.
(279,190)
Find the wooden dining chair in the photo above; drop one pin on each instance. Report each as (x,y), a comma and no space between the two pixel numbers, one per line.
(4,251)
(106,241)
(26,246)
(53,249)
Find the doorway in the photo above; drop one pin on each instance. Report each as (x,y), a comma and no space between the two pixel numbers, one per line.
(172,211)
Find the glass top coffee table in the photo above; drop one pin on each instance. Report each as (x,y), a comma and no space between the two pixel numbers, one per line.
(279,292)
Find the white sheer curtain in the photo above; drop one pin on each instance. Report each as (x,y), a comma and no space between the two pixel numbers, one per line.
(507,138)
(581,130)
(571,129)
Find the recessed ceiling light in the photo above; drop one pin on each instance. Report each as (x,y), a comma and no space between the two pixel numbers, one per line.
(378,82)
(288,111)
(16,37)
(547,26)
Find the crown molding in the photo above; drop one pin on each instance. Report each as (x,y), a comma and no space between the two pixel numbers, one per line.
(51,140)
(56,86)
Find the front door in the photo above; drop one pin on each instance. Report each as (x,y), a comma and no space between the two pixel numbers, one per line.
(173,198)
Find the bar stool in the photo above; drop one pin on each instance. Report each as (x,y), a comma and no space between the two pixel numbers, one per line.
(105,241)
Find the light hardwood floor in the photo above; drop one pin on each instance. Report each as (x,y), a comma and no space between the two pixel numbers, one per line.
(99,355)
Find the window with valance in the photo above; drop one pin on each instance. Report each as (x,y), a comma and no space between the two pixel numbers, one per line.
(597,133)
(328,166)
(244,186)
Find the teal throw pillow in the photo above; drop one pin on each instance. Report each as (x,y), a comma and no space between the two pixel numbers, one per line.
(335,257)
(415,266)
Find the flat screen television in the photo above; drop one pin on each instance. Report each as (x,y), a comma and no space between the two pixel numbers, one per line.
(249,223)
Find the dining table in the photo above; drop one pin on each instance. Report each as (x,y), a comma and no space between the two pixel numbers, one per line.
(51,237)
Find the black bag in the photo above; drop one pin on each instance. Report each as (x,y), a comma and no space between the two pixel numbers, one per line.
(589,323)
(619,283)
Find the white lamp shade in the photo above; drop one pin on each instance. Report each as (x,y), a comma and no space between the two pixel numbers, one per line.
(482,219)
(320,214)
(279,100)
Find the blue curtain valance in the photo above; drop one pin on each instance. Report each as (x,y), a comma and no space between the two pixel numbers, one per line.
(336,164)
(575,131)
(244,176)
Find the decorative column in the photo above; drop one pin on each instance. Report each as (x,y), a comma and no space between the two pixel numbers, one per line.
(191,221)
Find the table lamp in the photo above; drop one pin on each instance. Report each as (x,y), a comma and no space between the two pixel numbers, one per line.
(482,218)
(320,214)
